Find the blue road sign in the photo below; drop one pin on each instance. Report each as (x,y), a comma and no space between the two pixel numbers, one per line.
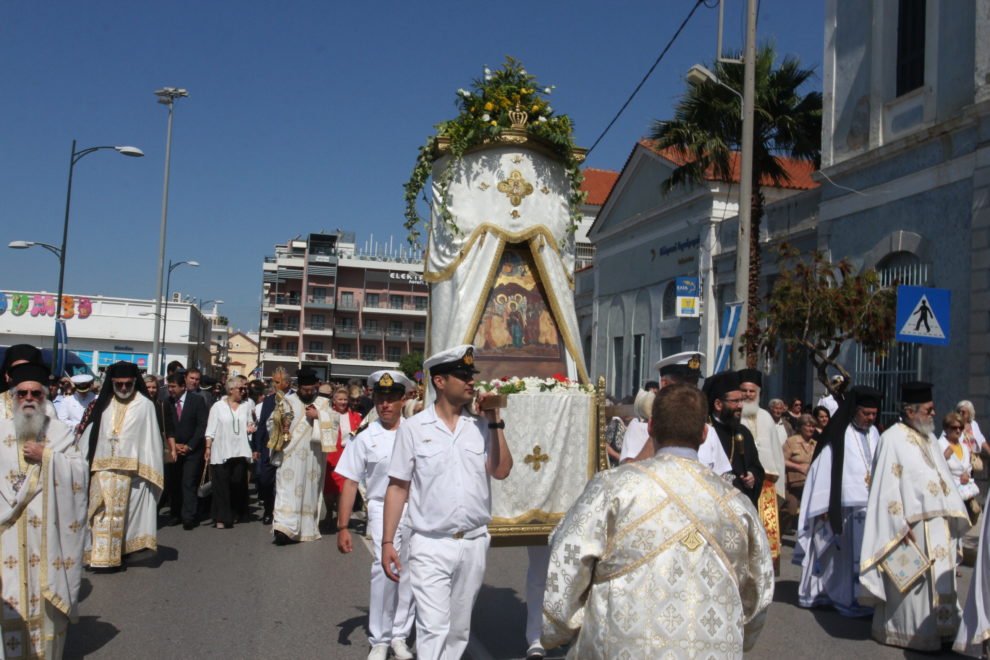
(923,315)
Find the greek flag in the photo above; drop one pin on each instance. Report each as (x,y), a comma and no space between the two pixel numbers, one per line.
(729,324)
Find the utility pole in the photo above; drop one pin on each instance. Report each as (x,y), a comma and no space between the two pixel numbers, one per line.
(746,184)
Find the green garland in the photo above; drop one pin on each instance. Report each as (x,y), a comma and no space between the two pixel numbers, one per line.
(484,114)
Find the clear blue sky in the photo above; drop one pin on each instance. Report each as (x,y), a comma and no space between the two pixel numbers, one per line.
(302,116)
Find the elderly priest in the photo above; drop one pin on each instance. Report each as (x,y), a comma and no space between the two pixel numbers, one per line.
(42,521)
(914,519)
(664,525)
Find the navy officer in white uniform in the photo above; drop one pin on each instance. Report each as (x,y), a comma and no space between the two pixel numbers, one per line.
(366,458)
(442,461)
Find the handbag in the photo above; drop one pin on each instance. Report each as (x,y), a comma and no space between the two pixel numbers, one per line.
(205,487)
(977,461)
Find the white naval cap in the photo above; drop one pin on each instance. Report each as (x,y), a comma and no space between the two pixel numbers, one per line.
(390,380)
(687,364)
(458,358)
(81,379)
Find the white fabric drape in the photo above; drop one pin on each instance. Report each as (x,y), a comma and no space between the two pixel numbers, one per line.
(560,424)
(461,265)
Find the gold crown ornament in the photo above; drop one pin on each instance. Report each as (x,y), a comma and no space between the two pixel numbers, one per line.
(468,356)
(694,362)
(386,381)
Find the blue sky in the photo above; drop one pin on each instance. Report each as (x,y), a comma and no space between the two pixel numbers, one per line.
(303,116)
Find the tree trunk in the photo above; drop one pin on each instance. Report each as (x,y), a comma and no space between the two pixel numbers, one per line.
(755,266)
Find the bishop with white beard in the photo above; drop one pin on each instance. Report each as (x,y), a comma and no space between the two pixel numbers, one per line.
(42,521)
(914,515)
(126,458)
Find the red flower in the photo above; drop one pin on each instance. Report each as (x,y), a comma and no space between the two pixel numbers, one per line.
(560,378)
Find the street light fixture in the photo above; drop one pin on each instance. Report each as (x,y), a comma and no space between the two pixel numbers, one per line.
(74,158)
(166,96)
(168,293)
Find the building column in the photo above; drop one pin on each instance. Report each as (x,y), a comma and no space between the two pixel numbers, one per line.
(979,311)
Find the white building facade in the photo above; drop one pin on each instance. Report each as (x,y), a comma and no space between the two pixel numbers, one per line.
(103,330)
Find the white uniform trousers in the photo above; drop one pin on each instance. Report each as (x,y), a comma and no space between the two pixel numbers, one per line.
(390,614)
(536,582)
(446,577)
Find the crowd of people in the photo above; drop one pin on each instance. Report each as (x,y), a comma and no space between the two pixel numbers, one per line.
(705,482)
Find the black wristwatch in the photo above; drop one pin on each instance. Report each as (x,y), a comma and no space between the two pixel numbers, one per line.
(497,425)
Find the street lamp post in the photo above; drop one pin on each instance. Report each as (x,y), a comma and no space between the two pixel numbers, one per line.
(168,292)
(166,96)
(74,157)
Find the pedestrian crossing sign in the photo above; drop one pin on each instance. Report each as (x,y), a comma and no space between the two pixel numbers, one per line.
(923,315)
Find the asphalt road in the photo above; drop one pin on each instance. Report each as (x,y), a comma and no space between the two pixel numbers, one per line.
(211,593)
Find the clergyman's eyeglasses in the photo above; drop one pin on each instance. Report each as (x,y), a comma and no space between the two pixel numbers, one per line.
(23,394)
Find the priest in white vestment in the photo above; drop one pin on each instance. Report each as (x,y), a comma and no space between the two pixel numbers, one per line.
(42,522)
(913,504)
(660,557)
(974,629)
(126,458)
(833,507)
(761,425)
(299,479)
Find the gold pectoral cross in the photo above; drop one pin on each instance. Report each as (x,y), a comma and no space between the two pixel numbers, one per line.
(536,459)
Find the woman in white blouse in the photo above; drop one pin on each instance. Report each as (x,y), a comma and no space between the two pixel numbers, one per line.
(957,455)
(228,451)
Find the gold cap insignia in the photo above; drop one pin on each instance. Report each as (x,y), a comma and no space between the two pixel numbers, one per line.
(694,362)
(468,356)
(386,381)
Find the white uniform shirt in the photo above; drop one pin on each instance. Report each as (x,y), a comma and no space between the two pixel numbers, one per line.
(450,489)
(72,408)
(366,458)
(637,434)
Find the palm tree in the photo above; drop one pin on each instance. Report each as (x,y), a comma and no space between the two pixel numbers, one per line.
(707,129)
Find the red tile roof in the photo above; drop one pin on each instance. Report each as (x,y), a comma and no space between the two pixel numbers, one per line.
(800,171)
(598,184)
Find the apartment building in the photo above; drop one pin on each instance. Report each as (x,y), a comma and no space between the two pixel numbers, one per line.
(344,310)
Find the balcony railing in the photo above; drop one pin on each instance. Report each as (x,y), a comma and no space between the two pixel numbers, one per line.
(348,304)
(282,351)
(314,325)
(389,306)
(345,355)
(291,327)
(345,331)
(320,301)
(371,355)
(371,333)
(397,333)
(282,299)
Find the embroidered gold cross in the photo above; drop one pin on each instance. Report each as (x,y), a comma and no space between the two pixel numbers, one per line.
(34,561)
(10,562)
(515,187)
(34,521)
(536,459)
(9,441)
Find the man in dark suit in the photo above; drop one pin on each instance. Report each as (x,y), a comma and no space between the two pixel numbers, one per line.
(191,414)
(193,379)
(264,470)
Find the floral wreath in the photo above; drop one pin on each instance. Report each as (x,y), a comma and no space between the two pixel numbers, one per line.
(493,105)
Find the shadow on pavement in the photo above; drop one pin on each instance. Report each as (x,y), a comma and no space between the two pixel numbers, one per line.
(152,558)
(88,635)
(498,610)
(786,591)
(350,625)
(85,589)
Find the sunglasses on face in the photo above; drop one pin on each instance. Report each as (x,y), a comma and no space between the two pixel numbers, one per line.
(23,394)
(954,427)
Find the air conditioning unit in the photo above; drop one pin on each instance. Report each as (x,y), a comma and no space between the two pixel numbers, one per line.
(176,297)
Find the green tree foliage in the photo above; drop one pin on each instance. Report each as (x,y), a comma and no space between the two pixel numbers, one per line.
(410,363)
(816,306)
(707,129)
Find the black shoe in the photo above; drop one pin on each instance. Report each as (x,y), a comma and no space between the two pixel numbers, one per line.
(267,519)
(188,525)
(172,522)
(282,539)
(107,569)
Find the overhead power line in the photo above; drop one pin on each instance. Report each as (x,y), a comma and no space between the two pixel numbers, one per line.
(648,73)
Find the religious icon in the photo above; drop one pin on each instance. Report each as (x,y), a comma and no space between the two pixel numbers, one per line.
(517,324)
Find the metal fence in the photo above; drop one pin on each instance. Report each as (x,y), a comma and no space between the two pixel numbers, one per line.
(903,363)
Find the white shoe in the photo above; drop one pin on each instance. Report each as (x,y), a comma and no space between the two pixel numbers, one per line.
(400,650)
(379,652)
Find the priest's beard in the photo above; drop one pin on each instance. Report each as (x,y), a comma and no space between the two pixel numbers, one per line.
(307,399)
(750,408)
(123,394)
(29,422)
(924,428)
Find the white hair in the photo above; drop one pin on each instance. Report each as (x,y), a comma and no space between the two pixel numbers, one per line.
(968,407)
(643,404)
(774,402)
